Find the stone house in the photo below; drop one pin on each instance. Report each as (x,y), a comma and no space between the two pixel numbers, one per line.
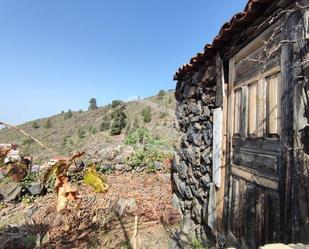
(241,168)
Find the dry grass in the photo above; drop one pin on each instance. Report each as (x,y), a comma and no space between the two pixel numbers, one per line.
(93,223)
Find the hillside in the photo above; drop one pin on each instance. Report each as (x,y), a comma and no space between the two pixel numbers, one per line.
(83,130)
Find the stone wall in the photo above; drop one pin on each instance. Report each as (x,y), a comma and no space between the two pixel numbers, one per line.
(192,165)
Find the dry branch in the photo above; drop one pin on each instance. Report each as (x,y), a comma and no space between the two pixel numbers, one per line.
(29,136)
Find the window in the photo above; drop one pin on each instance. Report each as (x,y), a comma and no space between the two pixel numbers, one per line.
(273,105)
(257,107)
(252,110)
(237,112)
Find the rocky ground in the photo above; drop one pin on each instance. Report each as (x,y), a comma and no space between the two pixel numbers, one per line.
(136,210)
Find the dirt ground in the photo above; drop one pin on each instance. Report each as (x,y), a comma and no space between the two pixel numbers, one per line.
(136,212)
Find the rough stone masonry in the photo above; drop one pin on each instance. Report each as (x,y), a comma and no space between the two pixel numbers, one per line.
(192,165)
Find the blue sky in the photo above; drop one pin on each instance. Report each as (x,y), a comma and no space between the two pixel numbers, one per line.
(57,54)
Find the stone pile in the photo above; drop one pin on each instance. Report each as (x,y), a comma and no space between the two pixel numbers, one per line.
(111,156)
(192,164)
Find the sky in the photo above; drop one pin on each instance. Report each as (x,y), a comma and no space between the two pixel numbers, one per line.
(57,54)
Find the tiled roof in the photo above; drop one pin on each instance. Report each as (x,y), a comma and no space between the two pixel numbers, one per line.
(239,21)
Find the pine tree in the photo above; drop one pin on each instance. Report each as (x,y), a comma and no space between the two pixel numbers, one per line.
(119,121)
(93,104)
(161,94)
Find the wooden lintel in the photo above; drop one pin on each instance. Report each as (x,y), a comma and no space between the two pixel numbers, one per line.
(252,177)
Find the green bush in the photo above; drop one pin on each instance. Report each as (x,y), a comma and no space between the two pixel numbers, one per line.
(92,130)
(68,115)
(48,124)
(30,177)
(35,125)
(81,133)
(116,127)
(163,115)
(135,124)
(65,140)
(161,94)
(147,115)
(105,124)
(128,129)
(141,136)
(145,158)
(27,142)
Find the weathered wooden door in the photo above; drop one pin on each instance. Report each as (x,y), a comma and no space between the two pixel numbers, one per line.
(254,148)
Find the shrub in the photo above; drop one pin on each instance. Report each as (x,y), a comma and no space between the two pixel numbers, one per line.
(30,177)
(105,124)
(116,103)
(81,133)
(80,111)
(163,115)
(128,129)
(35,125)
(48,124)
(93,104)
(145,158)
(161,94)
(146,113)
(27,141)
(140,135)
(135,124)
(68,115)
(65,140)
(92,130)
(116,127)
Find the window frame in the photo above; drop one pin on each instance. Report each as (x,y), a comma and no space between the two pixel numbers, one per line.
(262,118)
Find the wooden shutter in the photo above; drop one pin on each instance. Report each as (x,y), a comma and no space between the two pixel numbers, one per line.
(273,105)
(252,110)
(237,111)
(261,108)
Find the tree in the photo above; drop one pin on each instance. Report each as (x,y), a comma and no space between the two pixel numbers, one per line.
(119,121)
(93,104)
(35,125)
(116,103)
(68,115)
(161,94)
(48,124)
(147,116)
